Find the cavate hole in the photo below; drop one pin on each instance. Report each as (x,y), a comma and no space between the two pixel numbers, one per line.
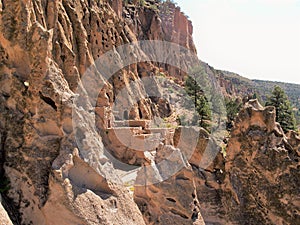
(171,200)
(174,211)
(6,95)
(49,101)
(194,216)
(63,58)
(181,177)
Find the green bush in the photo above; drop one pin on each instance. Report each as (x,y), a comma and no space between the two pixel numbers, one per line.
(233,106)
(181,120)
(4,184)
(142,2)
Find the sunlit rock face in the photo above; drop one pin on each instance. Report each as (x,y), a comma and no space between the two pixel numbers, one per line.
(258,181)
(46,49)
(172,198)
(4,216)
(56,152)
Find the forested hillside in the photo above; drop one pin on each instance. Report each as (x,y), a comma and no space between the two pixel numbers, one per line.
(292,90)
(234,85)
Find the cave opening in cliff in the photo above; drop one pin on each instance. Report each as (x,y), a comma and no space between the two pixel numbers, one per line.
(125,115)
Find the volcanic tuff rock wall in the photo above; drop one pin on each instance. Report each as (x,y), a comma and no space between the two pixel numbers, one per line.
(258,182)
(4,217)
(46,48)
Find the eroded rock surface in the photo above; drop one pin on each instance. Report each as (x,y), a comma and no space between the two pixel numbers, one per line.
(47,47)
(167,197)
(59,170)
(4,216)
(258,182)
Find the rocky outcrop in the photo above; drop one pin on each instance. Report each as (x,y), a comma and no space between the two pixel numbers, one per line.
(58,168)
(258,181)
(157,20)
(4,216)
(236,86)
(164,197)
(47,46)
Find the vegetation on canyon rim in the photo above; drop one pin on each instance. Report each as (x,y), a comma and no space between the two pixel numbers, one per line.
(277,98)
(284,112)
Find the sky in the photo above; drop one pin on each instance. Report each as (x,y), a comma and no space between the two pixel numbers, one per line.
(258,39)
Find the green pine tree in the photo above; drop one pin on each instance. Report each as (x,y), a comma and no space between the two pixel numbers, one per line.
(193,89)
(204,112)
(201,104)
(284,112)
(233,106)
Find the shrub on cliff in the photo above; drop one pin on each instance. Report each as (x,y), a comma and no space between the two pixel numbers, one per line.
(233,106)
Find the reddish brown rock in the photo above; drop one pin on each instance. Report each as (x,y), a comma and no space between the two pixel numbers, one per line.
(46,49)
(56,166)
(4,216)
(164,196)
(117,6)
(258,180)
